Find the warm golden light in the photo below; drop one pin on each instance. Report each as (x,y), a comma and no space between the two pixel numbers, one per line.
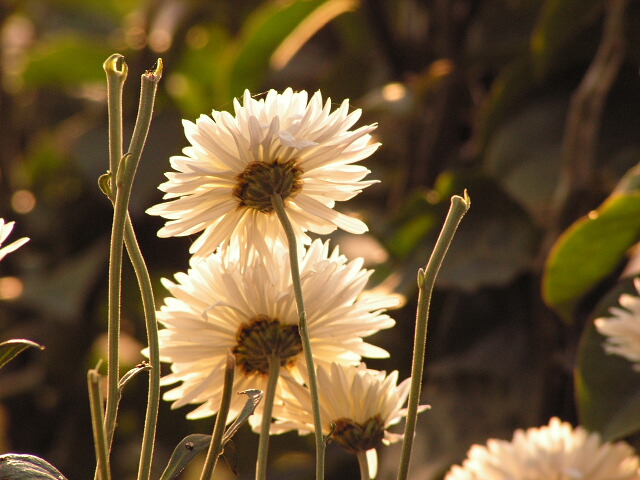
(394,92)
(23,201)
(10,288)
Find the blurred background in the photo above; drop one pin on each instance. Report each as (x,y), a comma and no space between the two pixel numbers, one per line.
(531,105)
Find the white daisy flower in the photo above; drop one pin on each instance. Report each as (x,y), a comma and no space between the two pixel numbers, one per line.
(279,144)
(249,307)
(362,403)
(5,230)
(623,328)
(553,452)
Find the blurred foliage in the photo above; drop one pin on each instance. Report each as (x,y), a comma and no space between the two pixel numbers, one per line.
(474,94)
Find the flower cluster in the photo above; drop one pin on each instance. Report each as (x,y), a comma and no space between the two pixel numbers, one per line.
(556,451)
(238,294)
(282,144)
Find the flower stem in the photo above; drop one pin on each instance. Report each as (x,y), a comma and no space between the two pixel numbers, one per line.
(153,397)
(116,70)
(97,420)
(364,465)
(215,447)
(278,205)
(265,427)
(426,281)
(123,174)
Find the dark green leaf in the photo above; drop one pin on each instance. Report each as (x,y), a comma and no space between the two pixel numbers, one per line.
(589,250)
(186,451)
(247,62)
(127,377)
(607,387)
(561,22)
(255,396)
(11,348)
(27,467)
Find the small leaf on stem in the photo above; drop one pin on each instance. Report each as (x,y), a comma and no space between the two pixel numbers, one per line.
(11,348)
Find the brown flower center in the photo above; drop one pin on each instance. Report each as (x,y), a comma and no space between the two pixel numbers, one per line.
(355,437)
(260,180)
(263,337)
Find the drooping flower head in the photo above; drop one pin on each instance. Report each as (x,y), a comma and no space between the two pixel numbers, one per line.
(5,230)
(246,304)
(281,144)
(553,452)
(622,329)
(362,403)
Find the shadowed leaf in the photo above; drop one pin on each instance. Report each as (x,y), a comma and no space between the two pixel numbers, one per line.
(607,387)
(186,451)
(11,348)
(27,467)
(192,445)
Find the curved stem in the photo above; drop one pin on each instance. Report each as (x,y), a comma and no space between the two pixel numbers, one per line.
(215,448)
(278,205)
(265,427)
(426,281)
(153,399)
(123,177)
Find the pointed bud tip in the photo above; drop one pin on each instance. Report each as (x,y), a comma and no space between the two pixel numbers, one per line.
(465,199)
(155,74)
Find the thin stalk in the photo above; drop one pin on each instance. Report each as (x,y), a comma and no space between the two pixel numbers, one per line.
(364,465)
(265,427)
(124,175)
(115,83)
(215,447)
(97,421)
(153,397)
(278,206)
(426,281)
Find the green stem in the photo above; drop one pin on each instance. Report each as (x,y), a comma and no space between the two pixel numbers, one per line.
(278,205)
(426,281)
(124,174)
(97,421)
(116,70)
(153,398)
(364,465)
(265,427)
(215,447)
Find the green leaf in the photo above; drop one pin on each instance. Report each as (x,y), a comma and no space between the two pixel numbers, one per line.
(607,387)
(255,396)
(591,248)
(247,61)
(11,348)
(186,451)
(27,467)
(66,61)
(127,377)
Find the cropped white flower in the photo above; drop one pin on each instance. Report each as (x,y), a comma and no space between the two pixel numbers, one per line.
(623,328)
(362,403)
(553,452)
(5,230)
(280,144)
(224,304)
